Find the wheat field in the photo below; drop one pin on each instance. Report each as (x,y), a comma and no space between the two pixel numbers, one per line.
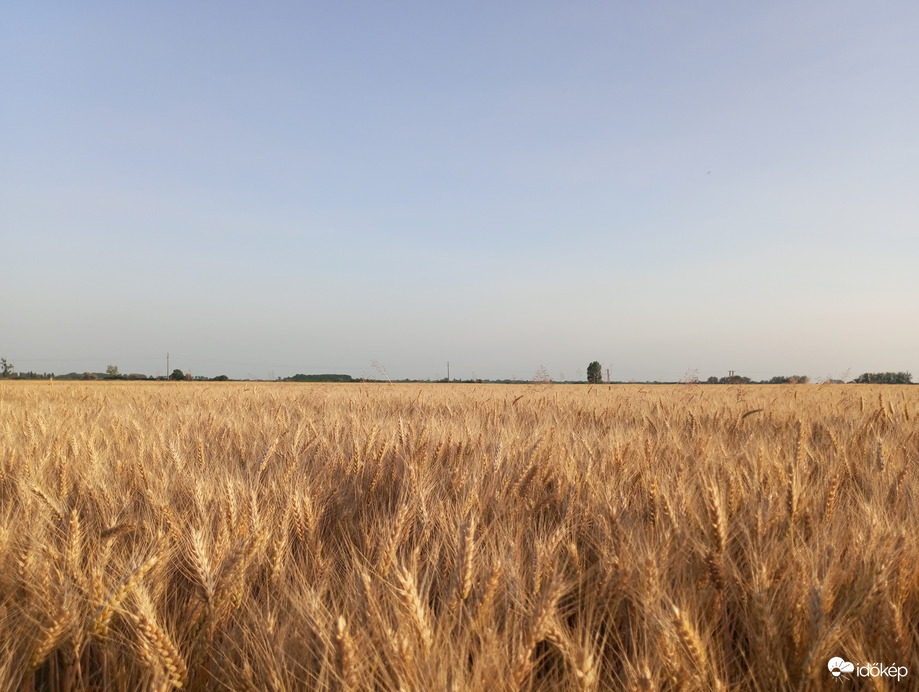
(266,536)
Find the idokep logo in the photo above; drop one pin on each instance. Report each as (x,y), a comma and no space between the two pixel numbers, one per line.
(839,666)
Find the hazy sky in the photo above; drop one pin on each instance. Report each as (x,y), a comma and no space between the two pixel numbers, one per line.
(264,189)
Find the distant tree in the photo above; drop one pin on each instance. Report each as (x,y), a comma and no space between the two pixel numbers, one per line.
(221,378)
(319,378)
(731,379)
(885,378)
(90,376)
(790,379)
(111,372)
(6,368)
(177,375)
(595,373)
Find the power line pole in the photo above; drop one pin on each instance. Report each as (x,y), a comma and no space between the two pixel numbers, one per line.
(167,365)
(448,371)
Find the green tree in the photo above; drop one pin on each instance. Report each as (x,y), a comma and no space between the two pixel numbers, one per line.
(177,375)
(6,368)
(595,373)
(111,372)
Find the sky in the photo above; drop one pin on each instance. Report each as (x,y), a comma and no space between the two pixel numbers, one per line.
(380,188)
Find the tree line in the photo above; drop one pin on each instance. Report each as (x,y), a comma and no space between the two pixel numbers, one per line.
(595,376)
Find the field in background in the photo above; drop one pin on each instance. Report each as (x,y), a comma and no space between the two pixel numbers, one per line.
(438,537)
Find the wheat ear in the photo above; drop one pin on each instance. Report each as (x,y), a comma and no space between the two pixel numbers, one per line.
(832,496)
(717,517)
(536,632)
(344,650)
(166,653)
(690,638)
(116,596)
(467,559)
(50,638)
(408,590)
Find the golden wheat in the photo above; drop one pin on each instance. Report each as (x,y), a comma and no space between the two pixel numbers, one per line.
(366,536)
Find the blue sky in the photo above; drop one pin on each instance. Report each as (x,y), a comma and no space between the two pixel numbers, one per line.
(273,188)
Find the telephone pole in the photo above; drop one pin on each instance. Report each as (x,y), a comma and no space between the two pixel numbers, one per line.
(167,365)
(448,371)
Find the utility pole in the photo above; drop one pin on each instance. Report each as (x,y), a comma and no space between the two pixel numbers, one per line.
(167,365)
(607,376)
(448,371)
